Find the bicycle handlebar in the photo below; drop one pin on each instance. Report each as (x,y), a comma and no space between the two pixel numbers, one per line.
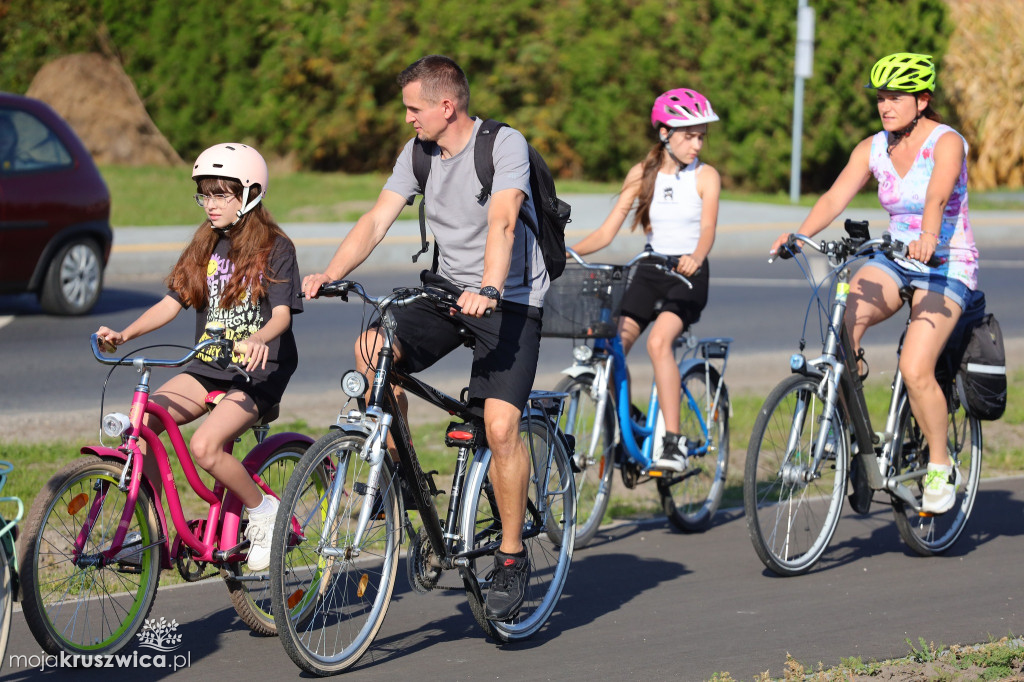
(226,344)
(666,264)
(438,291)
(844,248)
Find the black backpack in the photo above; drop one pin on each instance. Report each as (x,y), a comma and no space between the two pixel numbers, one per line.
(552,212)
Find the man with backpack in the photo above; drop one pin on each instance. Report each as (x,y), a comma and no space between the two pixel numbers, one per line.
(483,247)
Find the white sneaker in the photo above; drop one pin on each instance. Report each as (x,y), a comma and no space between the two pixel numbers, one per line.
(940,486)
(259,533)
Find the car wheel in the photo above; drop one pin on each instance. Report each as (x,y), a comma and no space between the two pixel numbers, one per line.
(74,279)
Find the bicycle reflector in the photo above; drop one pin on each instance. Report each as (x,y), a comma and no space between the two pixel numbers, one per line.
(115,423)
(354,384)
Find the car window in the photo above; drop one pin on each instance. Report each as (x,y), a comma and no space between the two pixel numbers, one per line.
(26,144)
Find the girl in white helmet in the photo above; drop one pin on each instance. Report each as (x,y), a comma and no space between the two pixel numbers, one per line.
(675,196)
(239,269)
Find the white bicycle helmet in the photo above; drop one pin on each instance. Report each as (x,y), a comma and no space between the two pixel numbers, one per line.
(236,162)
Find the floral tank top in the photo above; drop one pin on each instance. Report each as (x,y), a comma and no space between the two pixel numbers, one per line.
(903,197)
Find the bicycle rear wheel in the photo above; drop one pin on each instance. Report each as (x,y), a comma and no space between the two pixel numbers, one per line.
(71,604)
(930,534)
(548,533)
(792,509)
(691,498)
(594,479)
(6,602)
(251,598)
(335,604)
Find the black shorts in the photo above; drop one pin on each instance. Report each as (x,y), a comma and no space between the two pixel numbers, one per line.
(651,285)
(261,394)
(504,357)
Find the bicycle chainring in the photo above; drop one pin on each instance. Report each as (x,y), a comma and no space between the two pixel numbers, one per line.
(422,565)
(630,474)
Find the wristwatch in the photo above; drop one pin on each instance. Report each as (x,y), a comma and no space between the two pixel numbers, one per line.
(491,293)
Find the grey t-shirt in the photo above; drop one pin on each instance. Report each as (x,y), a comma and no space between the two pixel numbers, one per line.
(459,220)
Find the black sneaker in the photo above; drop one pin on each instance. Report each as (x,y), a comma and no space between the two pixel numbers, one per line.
(508,585)
(672,457)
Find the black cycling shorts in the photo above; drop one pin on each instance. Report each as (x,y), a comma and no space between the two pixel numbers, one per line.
(261,394)
(504,357)
(651,285)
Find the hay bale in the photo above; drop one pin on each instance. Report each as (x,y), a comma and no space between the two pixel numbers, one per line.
(96,97)
(982,76)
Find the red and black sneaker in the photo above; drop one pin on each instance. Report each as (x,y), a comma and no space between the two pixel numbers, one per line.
(508,585)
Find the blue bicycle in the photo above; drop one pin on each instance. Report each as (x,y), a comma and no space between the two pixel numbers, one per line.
(610,431)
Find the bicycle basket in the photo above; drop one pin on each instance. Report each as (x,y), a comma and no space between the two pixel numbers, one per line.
(584,304)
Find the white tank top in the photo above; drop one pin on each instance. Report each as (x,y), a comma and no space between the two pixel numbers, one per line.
(675,212)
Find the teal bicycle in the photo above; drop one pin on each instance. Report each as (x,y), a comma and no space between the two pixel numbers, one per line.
(9,583)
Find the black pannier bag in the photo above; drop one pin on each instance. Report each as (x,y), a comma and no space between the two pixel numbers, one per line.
(975,355)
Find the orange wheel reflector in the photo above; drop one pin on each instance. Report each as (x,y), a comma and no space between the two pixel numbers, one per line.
(77,502)
(925,515)
(600,470)
(460,435)
(295,597)
(655,474)
(362,585)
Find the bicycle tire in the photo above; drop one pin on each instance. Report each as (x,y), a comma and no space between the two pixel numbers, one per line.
(929,535)
(252,599)
(549,560)
(6,603)
(691,498)
(331,601)
(58,596)
(791,520)
(594,479)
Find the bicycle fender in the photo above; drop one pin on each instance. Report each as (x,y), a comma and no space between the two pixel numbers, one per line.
(113,454)
(357,429)
(576,371)
(255,458)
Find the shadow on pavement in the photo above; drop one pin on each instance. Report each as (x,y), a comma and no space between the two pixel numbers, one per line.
(112,300)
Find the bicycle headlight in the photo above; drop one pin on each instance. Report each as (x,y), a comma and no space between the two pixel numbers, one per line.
(582,353)
(354,384)
(115,423)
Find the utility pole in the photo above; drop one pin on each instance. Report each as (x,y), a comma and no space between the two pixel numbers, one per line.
(803,69)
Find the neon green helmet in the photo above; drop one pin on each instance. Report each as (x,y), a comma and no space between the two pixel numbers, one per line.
(905,72)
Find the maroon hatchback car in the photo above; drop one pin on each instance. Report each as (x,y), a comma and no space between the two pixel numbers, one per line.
(54,210)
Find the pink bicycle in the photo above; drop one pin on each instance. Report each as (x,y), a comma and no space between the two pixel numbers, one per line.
(97,537)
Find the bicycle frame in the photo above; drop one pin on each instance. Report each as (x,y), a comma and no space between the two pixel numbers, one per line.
(220,528)
(841,388)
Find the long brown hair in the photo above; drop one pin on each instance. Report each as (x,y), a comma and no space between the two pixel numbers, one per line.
(651,164)
(252,239)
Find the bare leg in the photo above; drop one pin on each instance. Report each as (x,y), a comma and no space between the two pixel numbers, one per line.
(367,348)
(185,399)
(510,470)
(932,320)
(234,414)
(667,328)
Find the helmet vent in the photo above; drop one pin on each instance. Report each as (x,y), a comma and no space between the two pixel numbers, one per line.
(218,165)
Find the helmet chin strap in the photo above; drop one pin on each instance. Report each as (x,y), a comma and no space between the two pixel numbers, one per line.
(245,209)
(896,136)
(668,148)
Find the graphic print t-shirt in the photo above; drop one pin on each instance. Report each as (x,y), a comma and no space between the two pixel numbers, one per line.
(248,316)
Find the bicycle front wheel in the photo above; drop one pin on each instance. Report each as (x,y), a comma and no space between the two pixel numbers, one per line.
(792,505)
(691,498)
(71,603)
(930,534)
(595,468)
(251,598)
(333,587)
(548,533)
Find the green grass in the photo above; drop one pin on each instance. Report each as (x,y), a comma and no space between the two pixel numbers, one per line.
(152,195)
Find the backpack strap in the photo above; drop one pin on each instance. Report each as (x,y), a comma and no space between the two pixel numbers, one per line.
(421,153)
(483,156)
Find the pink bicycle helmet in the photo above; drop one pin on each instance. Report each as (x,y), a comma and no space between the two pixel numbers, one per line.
(682,107)
(237,162)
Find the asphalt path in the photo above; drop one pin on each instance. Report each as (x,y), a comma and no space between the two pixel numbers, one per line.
(646,602)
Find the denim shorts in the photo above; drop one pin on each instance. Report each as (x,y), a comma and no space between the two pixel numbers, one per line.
(953,289)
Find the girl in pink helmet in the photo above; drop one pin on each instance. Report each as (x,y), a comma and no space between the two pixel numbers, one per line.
(239,269)
(675,197)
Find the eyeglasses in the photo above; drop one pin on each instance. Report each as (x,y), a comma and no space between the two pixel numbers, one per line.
(214,200)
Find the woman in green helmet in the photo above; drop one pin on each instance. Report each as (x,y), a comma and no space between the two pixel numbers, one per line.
(921,168)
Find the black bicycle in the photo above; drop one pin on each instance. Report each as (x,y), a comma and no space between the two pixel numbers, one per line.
(334,577)
(813,433)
